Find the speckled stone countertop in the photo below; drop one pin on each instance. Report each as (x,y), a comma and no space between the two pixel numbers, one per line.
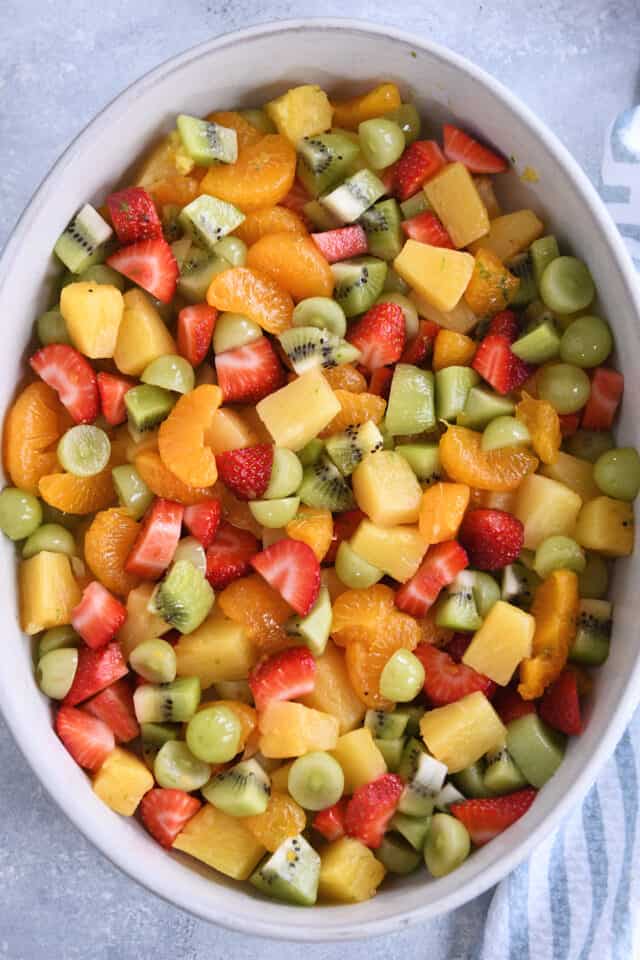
(576,64)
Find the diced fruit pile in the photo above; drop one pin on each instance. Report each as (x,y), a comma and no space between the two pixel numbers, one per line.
(315,492)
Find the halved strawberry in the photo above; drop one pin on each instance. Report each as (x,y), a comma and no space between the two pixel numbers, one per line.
(569,423)
(421,347)
(460,147)
(247,374)
(425,227)
(330,821)
(96,670)
(379,335)
(419,162)
(371,807)
(202,520)
(345,525)
(380,382)
(151,265)
(341,244)
(88,740)
(492,538)
(114,706)
(134,215)
(229,556)
(446,681)
(560,706)
(247,471)
(291,568)
(156,543)
(606,392)
(72,377)
(113,390)
(485,819)
(286,675)
(496,364)
(98,616)
(440,567)
(195,329)
(387,177)
(165,812)
(505,324)
(509,705)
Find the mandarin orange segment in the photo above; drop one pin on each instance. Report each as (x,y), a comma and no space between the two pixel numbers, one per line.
(313,526)
(357,609)
(367,655)
(260,609)
(543,424)
(345,377)
(357,408)
(79,495)
(555,610)
(174,190)
(375,103)
(33,426)
(431,632)
(246,133)
(491,286)
(283,818)
(268,220)
(294,262)
(452,349)
(107,544)
(255,294)
(441,511)
(262,175)
(164,483)
(463,460)
(181,438)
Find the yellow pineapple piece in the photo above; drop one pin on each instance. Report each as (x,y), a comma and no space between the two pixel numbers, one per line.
(333,692)
(359,757)
(280,778)
(510,234)
(122,781)
(229,431)
(142,336)
(545,508)
(291,729)
(93,313)
(503,640)
(387,489)
(218,650)
(461,319)
(462,732)
(454,196)
(398,551)
(575,473)
(301,112)
(439,275)
(606,525)
(220,841)
(298,412)
(167,159)
(349,872)
(484,186)
(48,591)
(140,623)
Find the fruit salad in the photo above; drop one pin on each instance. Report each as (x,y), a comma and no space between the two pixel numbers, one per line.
(315,495)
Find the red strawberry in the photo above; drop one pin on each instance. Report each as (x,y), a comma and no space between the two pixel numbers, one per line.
(156,543)
(151,264)
(88,740)
(560,706)
(284,676)
(569,423)
(606,392)
(505,324)
(492,538)
(427,228)
(134,215)
(96,670)
(98,616)
(485,819)
(418,163)
(520,372)
(380,382)
(371,807)
(195,329)
(72,377)
(291,568)
(330,821)
(493,360)
(112,391)
(202,520)
(447,681)
(341,244)
(246,472)
(387,177)
(379,335)
(229,555)
(457,646)
(165,812)
(421,347)
(296,198)
(442,564)
(460,147)
(247,374)
(509,705)
(114,706)
(344,526)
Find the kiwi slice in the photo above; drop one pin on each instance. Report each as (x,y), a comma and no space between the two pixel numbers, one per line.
(413,750)
(448,795)
(452,389)
(319,216)
(415,205)
(174,702)
(411,406)
(242,791)
(358,283)
(591,644)
(424,460)
(393,283)
(397,855)
(501,774)
(521,267)
(309,347)
(425,784)
(314,629)
(470,781)
(291,874)
(148,405)
(196,273)
(323,160)
(391,750)
(172,228)
(386,726)
(457,610)
(100,273)
(183,598)
(153,737)
(311,452)
(324,486)
(481,407)
(414,714)
(210,219)
(82,242)
(519,585)
(207,142)
(348,449)
(382,226)
(413,829)
(355,195)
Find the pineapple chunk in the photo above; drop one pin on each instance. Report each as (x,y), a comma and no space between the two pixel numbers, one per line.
(454,196)
(142,336)
(291,729)
(462,732)
(349,872)
(606,525)
(503,640)
(122,781)
(228,431)
(167,159)
(220,841)
(333,692)
(397,551)
(301,112)
(48,592)
(510,234)
(575,473)
(218,650)
(93,313)
(140,624)
(461,319)
(298,412)
(484,186)
(545,508)
(360,759)
(387,489)
(440,275)
(349,114)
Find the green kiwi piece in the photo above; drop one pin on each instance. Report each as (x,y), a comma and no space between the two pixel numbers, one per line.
(311,452)
(408,119)
(413,829)
(482,406)
(424,460)
(154,736)
(274,514)
(167,702)
(196,273)
(414,714)
(176,768)
(359,283)
(393,283)
(100,273)
(413,750)
(259,119)
(536,748)
(324,486)
(470,781)
(591,643)
(309,347)
(452,386)
(355,195)
(242,791)
(349,448)
(397,855)
(457,610)
(386,726)
(148,405)
(416,204)
(184,598)
(324,160)
(315,627)
(411,406)
(519,585)
(391,750)
(173,231)
(521,266)
(426,782)
(320,312)
(381,224)
(291,874)
(207,142)
(320,217)
(51,328)
(82,242)
(486,591)
(210,219)
(448,795)
(502,775)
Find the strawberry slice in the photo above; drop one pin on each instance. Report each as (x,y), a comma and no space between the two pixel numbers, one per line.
(96,670)
(246,472)
(509,705)
(425,227)
(606,392)
(492,538)
(341,244)
(496,364)
(195,330)
(202,520)
(418,163)
(569,423)
(72,377)
(457,646)
(88,740)
(380,382)
(447,681)
(461,148)
(371,807)
(330,821)
(560,706)
(229,556)
(291,568)
(165,812)
(379,335)
(134,215)
(387,177)
(440,567)
(156,543)
(485,819)
(344,526)
(114,706)
(505,324)
(112,390)
(151,265)
(284,676)
(421,347)
(247,374)
(98,616)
